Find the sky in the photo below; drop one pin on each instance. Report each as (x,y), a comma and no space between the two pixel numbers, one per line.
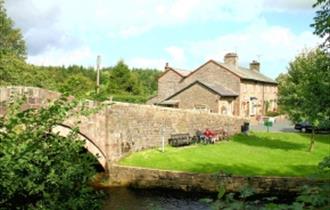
(149,33)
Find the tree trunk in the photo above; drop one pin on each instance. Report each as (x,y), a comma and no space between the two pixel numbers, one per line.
(311,145)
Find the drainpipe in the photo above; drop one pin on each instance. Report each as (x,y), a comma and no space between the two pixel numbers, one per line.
(263,99)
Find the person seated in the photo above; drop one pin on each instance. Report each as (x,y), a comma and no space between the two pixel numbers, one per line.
(209,135)
(200,136)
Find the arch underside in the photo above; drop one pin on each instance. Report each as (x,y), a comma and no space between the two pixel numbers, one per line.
(64,130)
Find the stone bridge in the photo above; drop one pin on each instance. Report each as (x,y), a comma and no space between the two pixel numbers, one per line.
(118,129)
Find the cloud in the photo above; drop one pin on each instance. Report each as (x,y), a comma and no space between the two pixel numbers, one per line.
(133,31)
(139,62)
(289,6)
(274,46)
(38,22)
(59,57)
(177,55)
(71,30)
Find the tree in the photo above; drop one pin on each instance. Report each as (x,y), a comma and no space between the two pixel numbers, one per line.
(77,85)
(322,21)
(304,92)
(122,80)
(40,169)
(11,40)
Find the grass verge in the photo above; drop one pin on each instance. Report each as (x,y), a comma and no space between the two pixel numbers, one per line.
(259,154)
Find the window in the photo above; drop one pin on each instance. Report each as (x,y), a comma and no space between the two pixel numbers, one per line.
(202,107)
(224,110)
(253,106)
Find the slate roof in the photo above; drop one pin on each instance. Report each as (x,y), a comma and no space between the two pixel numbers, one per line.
(248,74)
(222,91)
(183,72)
(218,89)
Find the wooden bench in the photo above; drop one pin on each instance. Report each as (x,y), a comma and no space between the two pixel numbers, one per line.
(179,139)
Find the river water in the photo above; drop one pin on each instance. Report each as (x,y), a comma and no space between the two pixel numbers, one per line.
(155,199)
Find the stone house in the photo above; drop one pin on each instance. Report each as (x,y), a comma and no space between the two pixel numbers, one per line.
(218,87)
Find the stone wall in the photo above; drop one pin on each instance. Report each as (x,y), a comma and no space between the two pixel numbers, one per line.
(197,95)
(211,72)
(152,178)
(168,84)
(133,127)
(262,91)
(122,128)
(35,97)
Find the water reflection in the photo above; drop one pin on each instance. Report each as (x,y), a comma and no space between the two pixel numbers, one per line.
(133,199)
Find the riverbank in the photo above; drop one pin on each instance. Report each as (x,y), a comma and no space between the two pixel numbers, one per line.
(145,178)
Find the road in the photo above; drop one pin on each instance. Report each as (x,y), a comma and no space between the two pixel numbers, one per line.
(281,124)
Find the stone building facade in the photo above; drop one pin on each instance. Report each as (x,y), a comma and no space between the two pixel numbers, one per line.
(218,87)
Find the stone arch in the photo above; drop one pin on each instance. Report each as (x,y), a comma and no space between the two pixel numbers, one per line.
(94,149)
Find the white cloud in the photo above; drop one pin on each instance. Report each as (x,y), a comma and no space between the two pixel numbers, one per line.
(133,31)
(288,5)
(177,55)
(274,46)
(58,32)
(58,57)
(139,62)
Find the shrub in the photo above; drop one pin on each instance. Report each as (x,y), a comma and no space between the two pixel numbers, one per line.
(272,113)
(40,169)
(130,98)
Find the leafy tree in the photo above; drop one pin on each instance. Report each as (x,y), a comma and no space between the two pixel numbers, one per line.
(121,80)
(77,85)
(304,92)
(11,40)
(322,21)
(148,79)
(40,169)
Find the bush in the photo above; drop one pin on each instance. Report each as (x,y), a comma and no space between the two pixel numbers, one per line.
(130,98)
(40,169)
(272,114)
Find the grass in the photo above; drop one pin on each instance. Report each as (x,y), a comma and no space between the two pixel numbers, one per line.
(264,154)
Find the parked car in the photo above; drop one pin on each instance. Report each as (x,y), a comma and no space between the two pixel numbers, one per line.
(307,127)
(303,127)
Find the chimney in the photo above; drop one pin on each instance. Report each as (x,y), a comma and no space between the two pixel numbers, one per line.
(231,59)
(255,66)
(166,66)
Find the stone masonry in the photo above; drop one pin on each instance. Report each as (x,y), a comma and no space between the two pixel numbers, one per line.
(152,178)
(254,90)
(121,128)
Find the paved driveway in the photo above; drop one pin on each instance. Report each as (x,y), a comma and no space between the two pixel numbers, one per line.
(281,124)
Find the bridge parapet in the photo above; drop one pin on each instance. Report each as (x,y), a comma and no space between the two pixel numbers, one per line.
(35,97)
(121,128)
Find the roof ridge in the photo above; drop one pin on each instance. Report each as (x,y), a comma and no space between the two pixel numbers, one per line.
(246,73)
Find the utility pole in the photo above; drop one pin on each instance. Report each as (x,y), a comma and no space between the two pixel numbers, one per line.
(98,63)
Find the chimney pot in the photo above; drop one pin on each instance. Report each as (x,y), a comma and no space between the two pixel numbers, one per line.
(255,65)
(231,59)
(166,65)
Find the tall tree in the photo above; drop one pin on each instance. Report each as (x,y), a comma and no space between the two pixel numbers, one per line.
(11,40)
(122,80)
(304,92)
(322,21)
(77,85)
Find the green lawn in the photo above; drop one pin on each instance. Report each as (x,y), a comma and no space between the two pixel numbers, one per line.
(274,154)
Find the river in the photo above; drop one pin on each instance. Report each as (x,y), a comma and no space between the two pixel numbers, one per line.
(155,199)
